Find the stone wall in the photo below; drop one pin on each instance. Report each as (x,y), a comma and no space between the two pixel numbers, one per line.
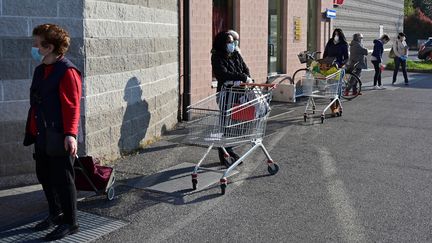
(366,16)
(131,73)
(17,20)
(127,51)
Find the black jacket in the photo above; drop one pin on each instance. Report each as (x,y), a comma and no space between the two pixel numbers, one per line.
(339,51)
(229,68)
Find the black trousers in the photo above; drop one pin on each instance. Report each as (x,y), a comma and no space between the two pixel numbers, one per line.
(377,77)
(399,62)
(56,174)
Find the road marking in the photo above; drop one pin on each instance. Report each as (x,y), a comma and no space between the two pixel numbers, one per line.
(352,230)
(281,114)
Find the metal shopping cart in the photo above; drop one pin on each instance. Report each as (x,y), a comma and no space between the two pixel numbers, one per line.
(318,86)
(231,117)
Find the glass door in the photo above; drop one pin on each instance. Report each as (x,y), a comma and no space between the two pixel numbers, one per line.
(274,38)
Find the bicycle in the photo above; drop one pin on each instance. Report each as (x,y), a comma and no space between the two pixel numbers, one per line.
(349,80)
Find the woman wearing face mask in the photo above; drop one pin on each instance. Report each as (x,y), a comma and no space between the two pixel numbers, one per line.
(337,47)
(400,49)
(236,38)
(55,95)
(230,70)
(376,59)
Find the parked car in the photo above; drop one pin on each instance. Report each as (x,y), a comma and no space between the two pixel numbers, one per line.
(425,51)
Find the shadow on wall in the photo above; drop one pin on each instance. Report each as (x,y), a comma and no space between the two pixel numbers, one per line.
(136,118)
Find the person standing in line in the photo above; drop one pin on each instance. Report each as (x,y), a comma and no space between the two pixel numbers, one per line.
(337,47)
(230,70)
(400,49)
(376,59)
(236,38)
(55,95)
(357,59)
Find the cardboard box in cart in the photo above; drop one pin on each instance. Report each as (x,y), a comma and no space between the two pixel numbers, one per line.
(285,91)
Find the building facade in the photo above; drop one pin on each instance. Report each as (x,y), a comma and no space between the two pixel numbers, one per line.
(144,61)
(127,51)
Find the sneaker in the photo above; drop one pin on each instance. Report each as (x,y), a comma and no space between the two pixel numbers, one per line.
(49,222)
(381,87)
(406,84)
(355,93)
(394,83)
(346,93)
(61,231)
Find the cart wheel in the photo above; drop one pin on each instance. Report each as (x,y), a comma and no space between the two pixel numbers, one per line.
(194,184)
(340,113)
(110,193)
(322,119)
(272,170)
(305,118)
(223,187)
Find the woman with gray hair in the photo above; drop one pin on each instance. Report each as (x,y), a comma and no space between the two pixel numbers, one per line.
(357,59)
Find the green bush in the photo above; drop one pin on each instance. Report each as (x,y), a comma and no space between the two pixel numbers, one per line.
(413,65)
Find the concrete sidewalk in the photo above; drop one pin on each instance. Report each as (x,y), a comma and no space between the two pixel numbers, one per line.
(19,206)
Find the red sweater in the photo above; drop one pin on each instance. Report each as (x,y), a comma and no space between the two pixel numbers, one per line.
(70,96)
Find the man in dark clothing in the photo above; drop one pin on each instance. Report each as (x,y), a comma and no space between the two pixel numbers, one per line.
(357,60)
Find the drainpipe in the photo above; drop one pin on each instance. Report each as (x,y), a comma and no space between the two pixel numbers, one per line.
(186,59)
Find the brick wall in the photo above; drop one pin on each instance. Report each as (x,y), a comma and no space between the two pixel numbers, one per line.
(293,9)
(325,28)
(17,20)
(131,73)
(201,45)
(253,30)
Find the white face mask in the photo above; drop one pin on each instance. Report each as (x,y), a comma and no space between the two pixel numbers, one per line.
(336,38)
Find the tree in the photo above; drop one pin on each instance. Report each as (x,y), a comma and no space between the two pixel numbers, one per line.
(408,8)
(424,5)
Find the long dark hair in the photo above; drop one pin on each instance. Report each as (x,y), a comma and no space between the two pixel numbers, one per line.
(342,38)
(219,43)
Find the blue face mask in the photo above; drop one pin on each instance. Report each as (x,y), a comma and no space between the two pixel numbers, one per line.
(36,55)
(231,47)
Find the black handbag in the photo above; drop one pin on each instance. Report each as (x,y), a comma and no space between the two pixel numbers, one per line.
(54,141)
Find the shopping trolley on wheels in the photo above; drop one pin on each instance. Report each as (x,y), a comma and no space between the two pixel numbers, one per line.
(233,116)
(319,86)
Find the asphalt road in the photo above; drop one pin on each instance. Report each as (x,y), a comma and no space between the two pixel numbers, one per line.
(362,177)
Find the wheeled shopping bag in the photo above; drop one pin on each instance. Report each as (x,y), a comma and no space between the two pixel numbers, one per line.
(91,176)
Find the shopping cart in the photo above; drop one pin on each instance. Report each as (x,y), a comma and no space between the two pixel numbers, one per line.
(231,117)
(319,86)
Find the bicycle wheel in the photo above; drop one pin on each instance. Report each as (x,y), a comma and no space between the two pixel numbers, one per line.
(351,86)
(296,79)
